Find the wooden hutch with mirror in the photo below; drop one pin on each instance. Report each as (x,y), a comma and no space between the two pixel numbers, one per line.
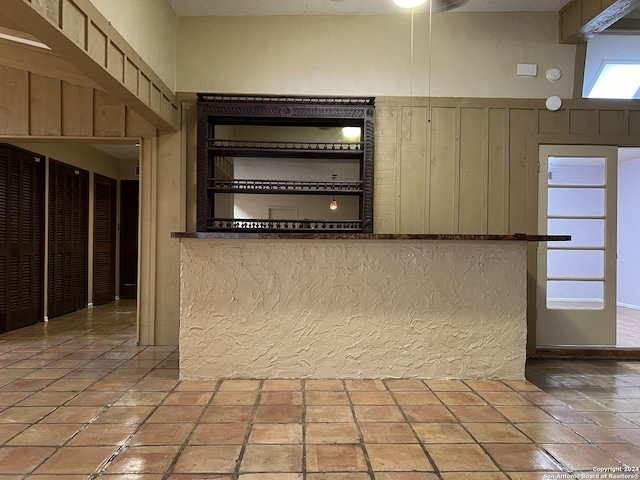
(285,164)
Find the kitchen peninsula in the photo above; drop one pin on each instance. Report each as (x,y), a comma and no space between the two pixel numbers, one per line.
(304,305)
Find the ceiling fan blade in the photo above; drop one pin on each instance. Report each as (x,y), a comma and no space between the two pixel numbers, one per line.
(446,5)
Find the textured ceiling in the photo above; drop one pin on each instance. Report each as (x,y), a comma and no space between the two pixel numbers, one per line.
(194,8)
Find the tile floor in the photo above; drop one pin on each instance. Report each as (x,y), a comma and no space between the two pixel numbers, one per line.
(79,400)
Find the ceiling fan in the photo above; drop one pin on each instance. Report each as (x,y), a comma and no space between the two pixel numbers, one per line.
(437,6)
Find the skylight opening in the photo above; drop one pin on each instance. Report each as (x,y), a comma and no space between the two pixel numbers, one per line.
(24,41)
(617,80)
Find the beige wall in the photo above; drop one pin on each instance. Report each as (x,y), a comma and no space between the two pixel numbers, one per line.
(150,27)
(473,55)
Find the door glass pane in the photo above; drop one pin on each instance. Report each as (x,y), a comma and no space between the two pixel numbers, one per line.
(584,232)
(576,202)
(576,171)
(568,295)
(575,263)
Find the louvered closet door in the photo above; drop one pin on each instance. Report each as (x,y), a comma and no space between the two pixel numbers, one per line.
(68,238)
(21,238)
(104,240)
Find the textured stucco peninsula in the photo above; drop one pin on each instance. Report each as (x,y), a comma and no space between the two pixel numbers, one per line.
(282,308)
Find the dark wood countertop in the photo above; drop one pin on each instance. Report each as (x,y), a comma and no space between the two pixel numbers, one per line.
(370,236)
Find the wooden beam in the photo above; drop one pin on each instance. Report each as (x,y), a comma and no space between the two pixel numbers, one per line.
(580,20)
(85,39)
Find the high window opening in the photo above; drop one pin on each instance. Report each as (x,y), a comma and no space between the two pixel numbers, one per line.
(612,67)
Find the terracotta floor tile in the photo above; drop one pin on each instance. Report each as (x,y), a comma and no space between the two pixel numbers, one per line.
(460,398)
(428,413)
(624,452)
(536,475)
(197,386)
(278,413)
(521,458)
(470,413)
(281,398)
(332,413)
(447,385)
(85,399)
(147,459)
(12,398)
(24,414)
(566,414)
(46,435)
(8,431)
(272,458)
(595,433)
(487,386)
(22,459)
(339,476)
(541,398)
(335,458)
(216,458)
(387,433)
(461,458)
(441,433)
(504,398)
(73,414)
(96,435)
(331,433)
(226,414)
(40,399)
(522,386)
(323,385)
(161,434)
(271,476)
(70,460)
(371,385)
(378,413)
(141,398)
(69,384)
(239,385)
(124,415)
(371,398)
(281,385)
(219,434)
(188,398)
(405,476)
(323,397)
(176,414)
(417,398)
(526,414)
(610,420)
(549,432)
(404,385)
(496,433)
(580,457)
(274,433)
(155,385)
(235,398)
(116,385)
(398,458)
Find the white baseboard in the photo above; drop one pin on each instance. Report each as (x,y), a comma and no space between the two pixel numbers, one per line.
(90,305)
(628,305)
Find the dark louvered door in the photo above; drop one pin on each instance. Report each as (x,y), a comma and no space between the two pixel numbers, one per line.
(129,192)
(68,238)
(104,240)
(21,238)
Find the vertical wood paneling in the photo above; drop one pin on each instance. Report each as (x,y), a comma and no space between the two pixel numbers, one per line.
(583,122)
(74,23)
(612,122)
(498,176)
(554,123)
(145,89)
(634,122)
(77,110)
(521,124)
(386,189)
(14,101)
(108,116)
(131,74)
(49,9)
(412,169)
(97,44)
(115,62)
(45,108)
(472,213)
(442,181)
(156,97)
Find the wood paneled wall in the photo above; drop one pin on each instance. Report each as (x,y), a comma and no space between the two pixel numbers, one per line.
(471,165)
(35,105)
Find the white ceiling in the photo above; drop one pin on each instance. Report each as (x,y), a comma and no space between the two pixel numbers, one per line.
(205,8)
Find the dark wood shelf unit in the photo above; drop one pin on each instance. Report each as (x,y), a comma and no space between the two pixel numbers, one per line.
(284,111)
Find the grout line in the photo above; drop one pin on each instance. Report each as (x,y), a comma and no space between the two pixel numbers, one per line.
(362,443)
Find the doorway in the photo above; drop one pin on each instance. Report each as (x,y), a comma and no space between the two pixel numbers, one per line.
(104,240)
(576,294)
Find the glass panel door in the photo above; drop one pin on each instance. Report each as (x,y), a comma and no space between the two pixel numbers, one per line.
(576,303)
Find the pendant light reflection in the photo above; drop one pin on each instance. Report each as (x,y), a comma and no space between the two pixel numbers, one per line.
(351,133)
(334,204)
(409,3)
